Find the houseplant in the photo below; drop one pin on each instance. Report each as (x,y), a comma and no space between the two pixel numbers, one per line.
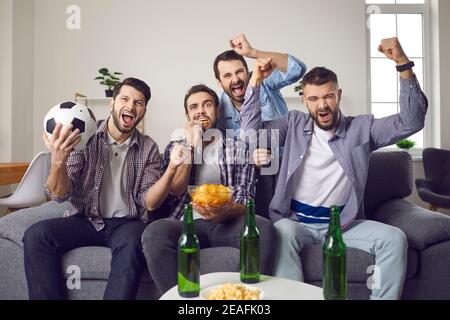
(299,88)
(406,144)
(110,80)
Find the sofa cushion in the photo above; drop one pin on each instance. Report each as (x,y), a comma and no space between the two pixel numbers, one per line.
(421,226)
(14,225)
(390,177)
(358,262)
(95,262)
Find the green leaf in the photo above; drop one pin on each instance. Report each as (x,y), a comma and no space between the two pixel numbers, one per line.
(118,73)
(104,71)
(406,144)
(100,78)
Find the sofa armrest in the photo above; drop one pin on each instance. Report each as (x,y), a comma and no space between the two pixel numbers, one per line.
(422,227)
(14,225)
(424,184)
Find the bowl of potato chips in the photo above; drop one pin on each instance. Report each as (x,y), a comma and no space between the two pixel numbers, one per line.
(232,291)
(211,195)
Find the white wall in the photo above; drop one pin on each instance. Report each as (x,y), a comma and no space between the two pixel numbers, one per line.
(6,21)
(172,45)
(23,80)
(6,37)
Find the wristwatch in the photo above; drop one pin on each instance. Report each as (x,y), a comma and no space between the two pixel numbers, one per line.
(405,67)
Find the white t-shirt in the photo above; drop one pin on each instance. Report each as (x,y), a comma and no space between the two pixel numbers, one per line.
(209,170)
(320,182)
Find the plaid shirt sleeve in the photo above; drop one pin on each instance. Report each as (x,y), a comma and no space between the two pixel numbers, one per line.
(244,175)
(166,156)
(152,173)
(74,165)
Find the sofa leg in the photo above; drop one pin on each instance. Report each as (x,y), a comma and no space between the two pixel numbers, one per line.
(433,207)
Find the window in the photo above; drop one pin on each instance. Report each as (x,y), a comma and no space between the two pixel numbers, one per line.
(407,20)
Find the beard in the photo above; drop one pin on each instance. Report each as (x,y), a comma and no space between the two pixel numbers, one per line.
(125,130)
(238,98)
(334,118)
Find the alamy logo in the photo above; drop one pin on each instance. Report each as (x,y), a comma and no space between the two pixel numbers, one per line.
(74,280)
(372,9)
(73,22)
(374,281)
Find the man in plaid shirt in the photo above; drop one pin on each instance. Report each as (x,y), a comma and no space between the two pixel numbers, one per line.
(112,184)
(209,158)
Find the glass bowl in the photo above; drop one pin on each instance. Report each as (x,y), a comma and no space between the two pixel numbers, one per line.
(211,195)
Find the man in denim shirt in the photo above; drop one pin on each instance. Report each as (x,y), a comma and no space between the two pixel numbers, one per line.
(325,162)
(231,72)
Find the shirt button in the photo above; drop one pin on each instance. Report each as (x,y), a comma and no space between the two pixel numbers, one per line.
(96,188)
(95,208)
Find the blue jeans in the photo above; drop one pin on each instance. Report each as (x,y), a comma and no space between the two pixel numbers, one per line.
(387,243)
(47,241)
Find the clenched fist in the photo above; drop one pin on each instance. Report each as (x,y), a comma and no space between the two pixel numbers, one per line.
(392,49)
(241,45)
(178,156)
(263,68)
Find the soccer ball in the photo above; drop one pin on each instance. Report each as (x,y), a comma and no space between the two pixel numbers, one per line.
(79,116)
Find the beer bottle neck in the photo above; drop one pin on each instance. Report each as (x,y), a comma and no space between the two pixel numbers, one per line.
(188,220)
(334,227)
(250,220)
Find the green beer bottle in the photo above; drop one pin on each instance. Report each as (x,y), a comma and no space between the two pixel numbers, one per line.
(188,258)
(249,250)
(334,260)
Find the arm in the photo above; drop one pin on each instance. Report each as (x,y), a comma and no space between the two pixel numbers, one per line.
(241,45)
(413,103)
(193,133)
(58,186)
(159,191)
(289,69)
(251,120)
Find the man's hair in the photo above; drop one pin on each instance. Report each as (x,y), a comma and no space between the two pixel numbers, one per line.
(320,76)
(137,84)
(228,56)
(200,88)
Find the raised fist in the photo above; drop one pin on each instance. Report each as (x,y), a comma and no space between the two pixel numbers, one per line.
(263,68)
(241,45)
(392,49)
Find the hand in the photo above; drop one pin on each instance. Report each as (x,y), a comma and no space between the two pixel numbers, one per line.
(262,157)
(61,143)
(263,68)
(241,45)
(213,214)
(194,133)
(393,50)
(179,155)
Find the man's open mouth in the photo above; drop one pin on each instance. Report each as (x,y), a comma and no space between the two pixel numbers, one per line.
(128,118)
(238,90)
(325,116)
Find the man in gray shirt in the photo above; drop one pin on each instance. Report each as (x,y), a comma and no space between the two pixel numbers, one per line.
(325,162)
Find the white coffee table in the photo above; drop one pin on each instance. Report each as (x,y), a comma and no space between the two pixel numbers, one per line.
(273,287)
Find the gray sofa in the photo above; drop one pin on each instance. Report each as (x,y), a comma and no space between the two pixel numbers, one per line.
(389,182)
